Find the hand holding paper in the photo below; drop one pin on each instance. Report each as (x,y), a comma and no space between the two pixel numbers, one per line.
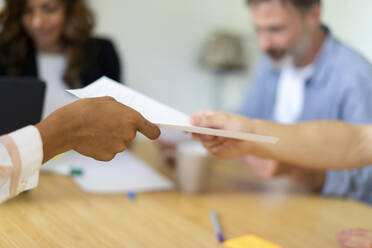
(222,147)
(158,113)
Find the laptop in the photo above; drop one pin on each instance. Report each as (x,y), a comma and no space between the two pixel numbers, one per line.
(21,102)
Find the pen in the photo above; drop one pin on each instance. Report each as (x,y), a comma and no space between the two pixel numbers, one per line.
(216,226)
(132,195)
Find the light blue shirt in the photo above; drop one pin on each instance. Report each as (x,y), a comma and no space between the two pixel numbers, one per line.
(340,88)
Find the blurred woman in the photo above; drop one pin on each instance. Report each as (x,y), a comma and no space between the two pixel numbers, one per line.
(52,40)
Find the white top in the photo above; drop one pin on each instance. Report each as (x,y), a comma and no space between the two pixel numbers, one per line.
(21,155)
(291,93)
(51,71)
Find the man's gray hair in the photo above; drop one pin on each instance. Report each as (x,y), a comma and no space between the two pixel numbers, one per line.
(302,5)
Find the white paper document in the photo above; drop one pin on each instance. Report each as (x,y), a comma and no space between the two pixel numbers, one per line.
(158,113)
(125,173)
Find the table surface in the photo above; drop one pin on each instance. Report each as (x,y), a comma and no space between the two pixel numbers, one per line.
(59,214)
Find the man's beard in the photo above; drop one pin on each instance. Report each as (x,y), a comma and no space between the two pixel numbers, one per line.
(276,54)
(280,57)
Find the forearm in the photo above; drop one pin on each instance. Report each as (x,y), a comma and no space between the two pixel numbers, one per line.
(319,145)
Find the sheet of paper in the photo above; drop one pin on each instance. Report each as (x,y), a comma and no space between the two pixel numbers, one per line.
(123,174)
(156,112)
(249,241)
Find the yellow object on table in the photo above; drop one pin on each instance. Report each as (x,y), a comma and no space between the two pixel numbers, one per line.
(249,241)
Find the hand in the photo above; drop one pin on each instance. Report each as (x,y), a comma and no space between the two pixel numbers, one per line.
(265,168)
(358,238)
(222,147)
(270,169)
(95,127)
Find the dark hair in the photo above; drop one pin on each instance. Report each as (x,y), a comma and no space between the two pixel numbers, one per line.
(16,45)
(302,5)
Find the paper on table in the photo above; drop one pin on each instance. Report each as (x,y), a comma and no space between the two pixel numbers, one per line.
(124,173)
(156,112)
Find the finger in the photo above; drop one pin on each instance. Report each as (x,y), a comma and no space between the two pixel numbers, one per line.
(107,156)
(110,152)
(203,137)
(220,139)
(206,138)
(209,119)
(356,231)
(278,169)
(357,238)
(196,137)
(355,243)
(121,148)
(195,119)
(218,150)
(222,151)
(148,129)
(213,145)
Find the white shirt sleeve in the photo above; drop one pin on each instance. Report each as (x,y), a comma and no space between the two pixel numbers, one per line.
(21,155)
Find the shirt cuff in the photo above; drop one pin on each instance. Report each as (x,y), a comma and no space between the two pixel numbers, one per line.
(30,148)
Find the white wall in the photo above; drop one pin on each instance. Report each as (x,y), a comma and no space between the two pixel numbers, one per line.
(351,21)
(161,41)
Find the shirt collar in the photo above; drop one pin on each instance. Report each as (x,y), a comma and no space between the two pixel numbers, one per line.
(324,58)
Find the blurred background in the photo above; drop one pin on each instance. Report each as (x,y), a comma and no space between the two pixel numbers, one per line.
(161,44)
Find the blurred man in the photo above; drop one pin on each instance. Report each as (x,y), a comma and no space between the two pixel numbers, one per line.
(307,74)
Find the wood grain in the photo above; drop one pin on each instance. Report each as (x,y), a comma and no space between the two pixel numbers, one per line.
(59,214)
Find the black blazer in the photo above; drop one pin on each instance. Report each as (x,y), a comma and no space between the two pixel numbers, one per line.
(101,60)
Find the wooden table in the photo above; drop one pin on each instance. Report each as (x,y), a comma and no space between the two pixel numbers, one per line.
(59,214)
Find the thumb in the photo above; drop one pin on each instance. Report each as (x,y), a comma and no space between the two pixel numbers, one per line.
(148,129)
(210,119)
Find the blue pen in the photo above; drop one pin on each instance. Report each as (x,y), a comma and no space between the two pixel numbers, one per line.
(132,195)
(216,226)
